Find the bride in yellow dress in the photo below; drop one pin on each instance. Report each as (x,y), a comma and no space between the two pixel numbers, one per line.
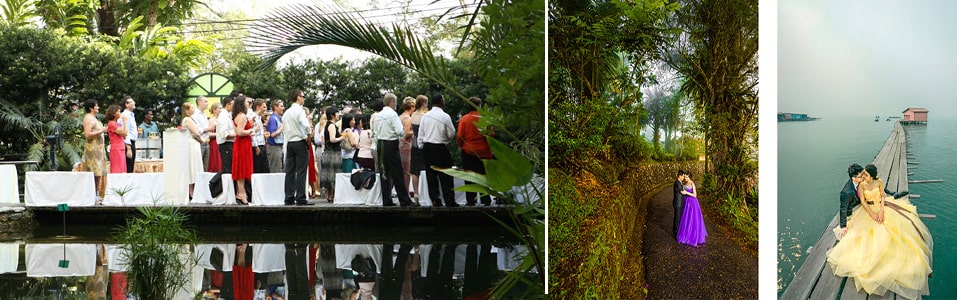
(886,247)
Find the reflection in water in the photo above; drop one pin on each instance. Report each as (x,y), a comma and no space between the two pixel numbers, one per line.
(266,271)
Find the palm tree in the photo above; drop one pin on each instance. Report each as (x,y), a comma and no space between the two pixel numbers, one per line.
(293,27)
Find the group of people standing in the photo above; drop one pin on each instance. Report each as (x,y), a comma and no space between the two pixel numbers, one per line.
(241,138)
(122,131)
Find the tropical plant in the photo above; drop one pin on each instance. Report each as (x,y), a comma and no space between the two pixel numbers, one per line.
(73,16)
(17,13)
(154,249)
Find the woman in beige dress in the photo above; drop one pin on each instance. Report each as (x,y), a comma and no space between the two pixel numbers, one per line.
(193,146)
(94,154)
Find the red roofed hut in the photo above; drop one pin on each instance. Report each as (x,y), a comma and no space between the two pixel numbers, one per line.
(915,115)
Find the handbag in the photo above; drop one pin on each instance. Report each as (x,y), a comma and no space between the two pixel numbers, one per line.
(363,179)
(345,144)
(216,185)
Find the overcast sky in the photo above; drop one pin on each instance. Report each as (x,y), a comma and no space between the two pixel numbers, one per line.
(866,58)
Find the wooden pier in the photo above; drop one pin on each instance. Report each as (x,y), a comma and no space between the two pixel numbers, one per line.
(815,279)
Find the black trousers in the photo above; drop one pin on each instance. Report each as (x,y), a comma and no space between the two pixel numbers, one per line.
(297,272)
(226,155)
(474,163)
(438,155)
(260,162)
(297,158)
(392,171)
(392,277)
(479,265)
(131,159)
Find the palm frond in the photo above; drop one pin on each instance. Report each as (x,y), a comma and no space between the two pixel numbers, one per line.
(11,115)
(289,28)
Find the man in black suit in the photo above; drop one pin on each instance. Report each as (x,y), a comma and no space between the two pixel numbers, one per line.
(678,202)
(849,198)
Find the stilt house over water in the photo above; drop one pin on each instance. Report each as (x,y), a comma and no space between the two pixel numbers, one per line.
(915,115)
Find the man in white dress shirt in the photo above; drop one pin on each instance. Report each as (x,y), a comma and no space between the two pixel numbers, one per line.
(296,128)
(132,134)
(226,134)
(388,130)
(202,123)
(435,132)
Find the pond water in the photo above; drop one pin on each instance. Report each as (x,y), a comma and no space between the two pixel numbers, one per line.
(290,262)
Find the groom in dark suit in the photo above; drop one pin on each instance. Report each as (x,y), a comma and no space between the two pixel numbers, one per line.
(679,201)
(849,198)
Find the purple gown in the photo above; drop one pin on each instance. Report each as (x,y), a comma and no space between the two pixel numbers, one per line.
(691,230)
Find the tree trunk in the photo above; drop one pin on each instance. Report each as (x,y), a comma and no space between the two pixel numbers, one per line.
(107,21)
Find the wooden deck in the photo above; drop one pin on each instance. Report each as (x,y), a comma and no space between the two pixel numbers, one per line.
(815,280)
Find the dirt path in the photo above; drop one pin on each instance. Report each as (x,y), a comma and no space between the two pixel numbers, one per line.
(717,270)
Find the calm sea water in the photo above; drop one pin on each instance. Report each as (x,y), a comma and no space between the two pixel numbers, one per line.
(812,168)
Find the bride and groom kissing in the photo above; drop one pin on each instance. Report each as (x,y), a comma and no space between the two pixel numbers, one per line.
(688,226)
(883,245)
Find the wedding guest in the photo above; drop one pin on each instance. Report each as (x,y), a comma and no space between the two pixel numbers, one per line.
(260,162)
(416,163)
(474,147)
(242,156)
(332,153)
(275,138)
(116,130)
(435,132)
(194,156)
(131,134)
(202,122)
(315,166)
(296,128)
(94,155)
(215,162)
(349,143)
(148,126)
(364,153)
(226,134)
(405,144)
(388,132)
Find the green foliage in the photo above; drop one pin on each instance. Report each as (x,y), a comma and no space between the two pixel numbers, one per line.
(47,87)
(156,249)
(17,13)
(567,217)
(740,219)
(631,148)
(73,16)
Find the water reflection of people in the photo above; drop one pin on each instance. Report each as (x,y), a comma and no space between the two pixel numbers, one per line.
(97,283)
(297,273)
(394,277)
(441,261)
(479,265)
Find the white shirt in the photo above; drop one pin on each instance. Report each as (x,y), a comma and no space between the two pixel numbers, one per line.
(295,124)
(132,134)
(436,127)
(259,139)
(199,117)
(386,125)
(225,127)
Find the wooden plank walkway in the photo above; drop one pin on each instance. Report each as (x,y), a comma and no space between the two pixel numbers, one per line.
(815,280)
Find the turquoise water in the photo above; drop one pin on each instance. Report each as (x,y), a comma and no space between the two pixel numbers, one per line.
(812,168)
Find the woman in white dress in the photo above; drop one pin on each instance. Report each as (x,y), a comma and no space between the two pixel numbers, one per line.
(194,161)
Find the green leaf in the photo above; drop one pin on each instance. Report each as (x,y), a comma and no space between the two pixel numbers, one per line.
(508,169)
(464,175)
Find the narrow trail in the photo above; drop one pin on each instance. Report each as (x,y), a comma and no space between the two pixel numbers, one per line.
(719,269)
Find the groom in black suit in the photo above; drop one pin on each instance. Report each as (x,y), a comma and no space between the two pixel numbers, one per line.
(679,202)
(849,198)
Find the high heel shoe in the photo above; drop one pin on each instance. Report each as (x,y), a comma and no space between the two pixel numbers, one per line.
(241,201)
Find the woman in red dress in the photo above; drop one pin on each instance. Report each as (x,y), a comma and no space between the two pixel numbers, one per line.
(215,162)
(242,150)
(117,133)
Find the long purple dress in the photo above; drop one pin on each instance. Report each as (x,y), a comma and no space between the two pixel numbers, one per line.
(691,230)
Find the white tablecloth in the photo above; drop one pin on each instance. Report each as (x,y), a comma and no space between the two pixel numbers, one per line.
(424,199)
(9,188)
(202,254)
(43,260)
(52,188)
(347,194)
(268,189)
(9,257)
(269,258)
(345,254)
(142,189)
(116,258)
(201,191)
(175,165)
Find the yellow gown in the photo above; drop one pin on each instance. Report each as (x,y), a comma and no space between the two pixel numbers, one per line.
(894,256)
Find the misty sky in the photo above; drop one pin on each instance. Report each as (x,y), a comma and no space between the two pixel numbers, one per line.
(866,58)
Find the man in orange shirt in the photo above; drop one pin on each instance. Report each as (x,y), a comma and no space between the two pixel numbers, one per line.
(474,147)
